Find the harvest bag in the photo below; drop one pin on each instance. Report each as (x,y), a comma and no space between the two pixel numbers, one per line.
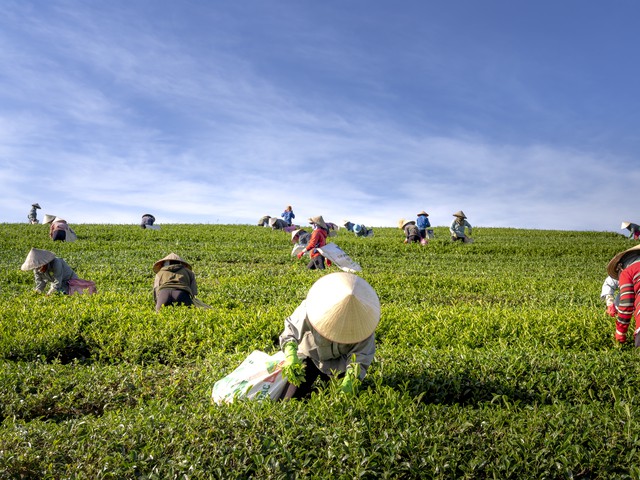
(258,377)
(334,253)
(78,285)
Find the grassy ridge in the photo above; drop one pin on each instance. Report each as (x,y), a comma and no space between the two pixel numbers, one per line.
(494,359)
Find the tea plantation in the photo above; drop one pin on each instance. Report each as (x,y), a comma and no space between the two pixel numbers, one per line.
(494,360)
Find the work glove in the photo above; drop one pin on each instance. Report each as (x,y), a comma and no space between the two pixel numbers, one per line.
(611,310)
(292,368)
(351,381)
(300,254)
(620,338)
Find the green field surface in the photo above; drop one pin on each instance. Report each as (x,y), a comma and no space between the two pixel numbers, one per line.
(494,360)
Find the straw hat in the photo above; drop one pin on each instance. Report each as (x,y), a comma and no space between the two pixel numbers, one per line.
(172,256)
(37,258)
(460,214)
(343,308)
(48,218)
(423,213)
(403,223)
(319,221)
(295,233)
(624,225)
(272,221)
(37,205)
(58,219)
(620,257)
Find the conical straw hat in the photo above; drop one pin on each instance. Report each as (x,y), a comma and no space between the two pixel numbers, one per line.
(408,222)
(48,218)
(319,221)
(624,225)
(620,257)
(37,258)
(460,214)
(172,256)
(343,308)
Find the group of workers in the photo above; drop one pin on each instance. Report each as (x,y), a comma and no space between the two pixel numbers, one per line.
(419,231)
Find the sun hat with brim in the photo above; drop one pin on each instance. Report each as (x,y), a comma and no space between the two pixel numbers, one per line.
(343,307)
(37,258)
(48,218)
(319,221)
(423,213)
(460,214)
(37,205)
(407,222)
(624,225)
(620,257)
(172,256)
(272,221)
(296,233)
(58,219)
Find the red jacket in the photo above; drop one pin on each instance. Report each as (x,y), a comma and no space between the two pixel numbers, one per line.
(318,239)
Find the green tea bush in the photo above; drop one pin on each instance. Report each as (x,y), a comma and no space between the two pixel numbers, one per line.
(494,360)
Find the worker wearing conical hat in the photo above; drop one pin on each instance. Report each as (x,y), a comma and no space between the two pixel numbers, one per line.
(457,228)
(625,267)
(48,269)
(335,323)
(33,214)
(174,283)
(318,240)
(634,229)
(411,231)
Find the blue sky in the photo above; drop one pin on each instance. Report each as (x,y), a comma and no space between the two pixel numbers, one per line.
(522,114)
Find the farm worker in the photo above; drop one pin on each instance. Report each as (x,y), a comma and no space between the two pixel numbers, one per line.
(175,283)
(264,221)
(147,220)
(288,215)
(422,222)
(33,215)
(634,229)
(318,240)
(331,333)
(608,293)
(361,231)
(47,268)
(300,236)
(457,227)
(625,267)
(61,231)
(277,223)
(348,225)
(410,229)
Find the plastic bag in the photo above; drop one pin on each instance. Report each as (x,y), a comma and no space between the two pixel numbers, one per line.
(334,253)
(78,285)
(258,377)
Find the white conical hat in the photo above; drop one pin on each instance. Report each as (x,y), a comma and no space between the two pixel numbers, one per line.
(48,218)
(172,256)
(319,221)
(37,258)
(343,308)
(460,214)
(624,225)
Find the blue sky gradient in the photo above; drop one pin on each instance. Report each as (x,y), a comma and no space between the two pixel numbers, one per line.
(522,114)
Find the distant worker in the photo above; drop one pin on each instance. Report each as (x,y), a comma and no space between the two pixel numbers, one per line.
(288,215)
(423,223)
(330,334)
(608,293)
(33,215)
(264,221)
(300,237)
(358,229)
(411,231)
(175,282)
(625,267)
(634,229)
(48,269)
(457,228)
(318,240)
(147,221)
(61,231)
(277,223)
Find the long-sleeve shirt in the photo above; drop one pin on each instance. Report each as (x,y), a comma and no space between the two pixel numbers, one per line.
(33,215)
(629,296)
(423,222)
(175,277)
(609,287)
(457,229)
(328,356)
(634,229)
(318,239)
(57,274)
(288,216)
